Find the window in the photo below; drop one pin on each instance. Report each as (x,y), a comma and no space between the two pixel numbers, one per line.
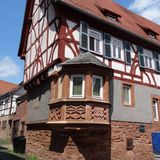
(128,95)
(77,86)
(90,39)
(94,40)
(97,90)
(148,59)
(111,17)
(157,61)
(117,48)
(155,109)
(4,124)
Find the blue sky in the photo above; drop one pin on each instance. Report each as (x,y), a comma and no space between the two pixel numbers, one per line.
(11,16)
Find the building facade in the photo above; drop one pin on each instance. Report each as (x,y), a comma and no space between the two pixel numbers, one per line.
(8,106)
(19,118)
(92,74)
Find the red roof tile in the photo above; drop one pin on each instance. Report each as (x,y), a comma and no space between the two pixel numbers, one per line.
(6,87)
(128,21)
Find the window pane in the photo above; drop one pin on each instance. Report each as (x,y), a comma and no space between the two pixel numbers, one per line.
(77,86)
(96,87)
(107,50)
(119,52)
(126,93)
(114,50)
(91,43)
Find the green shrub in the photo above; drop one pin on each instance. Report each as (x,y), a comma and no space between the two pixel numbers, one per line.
(5,141)
(32,157)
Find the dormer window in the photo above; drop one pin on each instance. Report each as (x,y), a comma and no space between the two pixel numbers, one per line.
(109,14)
(151,33)
(111,17)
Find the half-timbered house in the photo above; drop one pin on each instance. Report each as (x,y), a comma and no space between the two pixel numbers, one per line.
(8,108)
(92,74)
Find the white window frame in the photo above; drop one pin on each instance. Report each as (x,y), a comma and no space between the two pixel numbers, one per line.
(130,98)
(148,54)
(156,118)
(122,48)
(101,87)
(71,86)
(100,43)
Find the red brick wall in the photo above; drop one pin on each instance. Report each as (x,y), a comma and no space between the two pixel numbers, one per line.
(21,111)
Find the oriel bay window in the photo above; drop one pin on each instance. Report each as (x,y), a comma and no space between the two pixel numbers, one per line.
(77,86)
(97,87)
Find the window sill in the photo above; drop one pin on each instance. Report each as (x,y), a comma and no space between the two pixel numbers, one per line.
(117,59)
(76,96)
(149,69)
(129,105)
(64,100)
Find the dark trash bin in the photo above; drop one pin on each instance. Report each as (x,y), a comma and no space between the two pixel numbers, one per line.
(19,143)
(22,145)
(15,144)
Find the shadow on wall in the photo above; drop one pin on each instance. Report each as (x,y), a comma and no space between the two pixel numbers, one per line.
(79,145)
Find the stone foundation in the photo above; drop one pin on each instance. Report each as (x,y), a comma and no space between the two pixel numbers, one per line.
(96,144)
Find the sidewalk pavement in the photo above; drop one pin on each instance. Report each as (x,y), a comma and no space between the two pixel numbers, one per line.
(6,155)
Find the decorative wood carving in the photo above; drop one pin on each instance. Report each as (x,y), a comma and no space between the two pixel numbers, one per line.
(75,112)
(80,114)
(56,114)
(99,114)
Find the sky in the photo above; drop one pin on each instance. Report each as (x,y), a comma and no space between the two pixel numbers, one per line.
(11,16)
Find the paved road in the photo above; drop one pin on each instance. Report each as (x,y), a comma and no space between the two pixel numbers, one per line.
(7,156)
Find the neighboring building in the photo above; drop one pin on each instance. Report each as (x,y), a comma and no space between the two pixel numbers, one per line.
(6,86)
(92,74)
(8,108)
(19,118)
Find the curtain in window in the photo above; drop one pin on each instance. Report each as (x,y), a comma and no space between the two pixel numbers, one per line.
(77,85)
(96,87)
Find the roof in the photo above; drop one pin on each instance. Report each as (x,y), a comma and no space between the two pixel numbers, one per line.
(85,58)
(6,87)
(129,21)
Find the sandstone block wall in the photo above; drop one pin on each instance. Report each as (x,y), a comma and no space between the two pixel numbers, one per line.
(107,144)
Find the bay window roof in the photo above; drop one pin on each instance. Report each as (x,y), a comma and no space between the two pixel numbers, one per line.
(85,58)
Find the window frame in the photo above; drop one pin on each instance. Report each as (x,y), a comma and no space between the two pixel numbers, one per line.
(132,96)
(145,51)
(71,85)
(157,98)
(100,41)
(122,48)
(101,87)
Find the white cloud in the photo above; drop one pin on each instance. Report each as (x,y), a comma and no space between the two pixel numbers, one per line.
(147,8)
(8,68)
